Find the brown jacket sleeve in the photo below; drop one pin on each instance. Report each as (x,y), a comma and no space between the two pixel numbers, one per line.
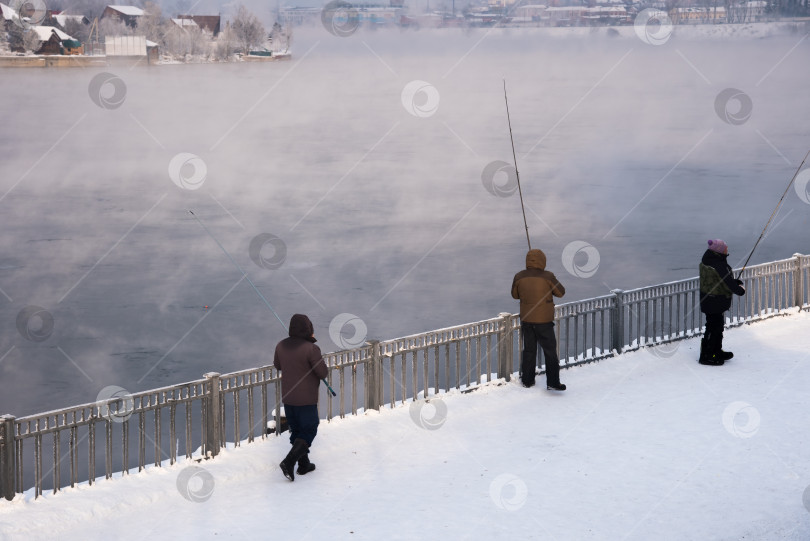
(557,288)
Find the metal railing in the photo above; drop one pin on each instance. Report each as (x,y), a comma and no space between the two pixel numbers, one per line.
(221,410)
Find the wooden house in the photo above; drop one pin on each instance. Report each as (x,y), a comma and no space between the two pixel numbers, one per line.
(210,23)
(54,41)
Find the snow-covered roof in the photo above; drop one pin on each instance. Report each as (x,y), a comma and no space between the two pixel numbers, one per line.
(63,18)
(45,32)
(184,22)
(128,10)
(8,13)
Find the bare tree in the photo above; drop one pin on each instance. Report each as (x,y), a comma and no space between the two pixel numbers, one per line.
(77,30)
(151,23)
(31,40)
(280,38)
(4,46)
(226,44)
(189,40)
(247,30)
(112,27)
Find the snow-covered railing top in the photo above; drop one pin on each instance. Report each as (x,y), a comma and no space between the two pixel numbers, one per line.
(221,410)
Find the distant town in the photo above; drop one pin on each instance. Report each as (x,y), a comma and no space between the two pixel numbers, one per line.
(129,33)
(32,35)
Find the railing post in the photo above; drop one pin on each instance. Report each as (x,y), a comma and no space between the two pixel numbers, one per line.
(617,321)
(372,377)
(798,283)
(505,346)
(7,457)
(213,429)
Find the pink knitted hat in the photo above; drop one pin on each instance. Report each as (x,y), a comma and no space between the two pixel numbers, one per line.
(718,246)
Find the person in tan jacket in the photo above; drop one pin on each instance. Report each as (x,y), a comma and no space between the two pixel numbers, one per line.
(536,288)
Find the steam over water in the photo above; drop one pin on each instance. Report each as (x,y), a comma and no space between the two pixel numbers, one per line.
(353,175)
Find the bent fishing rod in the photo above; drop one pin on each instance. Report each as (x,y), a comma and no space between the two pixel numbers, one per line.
(514,157)
(259,293)
(773,214)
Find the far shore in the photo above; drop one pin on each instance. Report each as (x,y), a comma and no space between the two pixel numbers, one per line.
(86,61)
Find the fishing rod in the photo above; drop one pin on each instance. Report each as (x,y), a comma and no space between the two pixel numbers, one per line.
(514,157)
(244,274)
(773,214)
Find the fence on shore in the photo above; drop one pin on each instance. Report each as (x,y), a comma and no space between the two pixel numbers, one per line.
(228,409)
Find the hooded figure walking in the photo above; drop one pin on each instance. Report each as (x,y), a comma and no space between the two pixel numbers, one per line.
(717,285)
(536,288)
(302,369)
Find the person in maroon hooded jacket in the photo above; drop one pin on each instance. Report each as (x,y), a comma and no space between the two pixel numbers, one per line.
(302,369)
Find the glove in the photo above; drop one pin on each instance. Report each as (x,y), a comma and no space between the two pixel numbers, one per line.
(739,282)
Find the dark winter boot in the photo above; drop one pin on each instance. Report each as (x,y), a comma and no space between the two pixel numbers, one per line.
(304,465)
(299,447)
(724,355)
(709,351)
(555,386)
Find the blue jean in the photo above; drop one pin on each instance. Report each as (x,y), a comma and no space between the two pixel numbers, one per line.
(303,422)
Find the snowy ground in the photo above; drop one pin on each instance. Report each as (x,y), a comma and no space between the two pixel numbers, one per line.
(640,447)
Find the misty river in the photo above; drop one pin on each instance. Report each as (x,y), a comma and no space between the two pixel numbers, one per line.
(354,179)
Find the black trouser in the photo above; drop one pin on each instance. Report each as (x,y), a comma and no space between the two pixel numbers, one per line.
(543,334)
(715,323)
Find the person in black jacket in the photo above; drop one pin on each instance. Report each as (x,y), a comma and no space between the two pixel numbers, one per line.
(717,285)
